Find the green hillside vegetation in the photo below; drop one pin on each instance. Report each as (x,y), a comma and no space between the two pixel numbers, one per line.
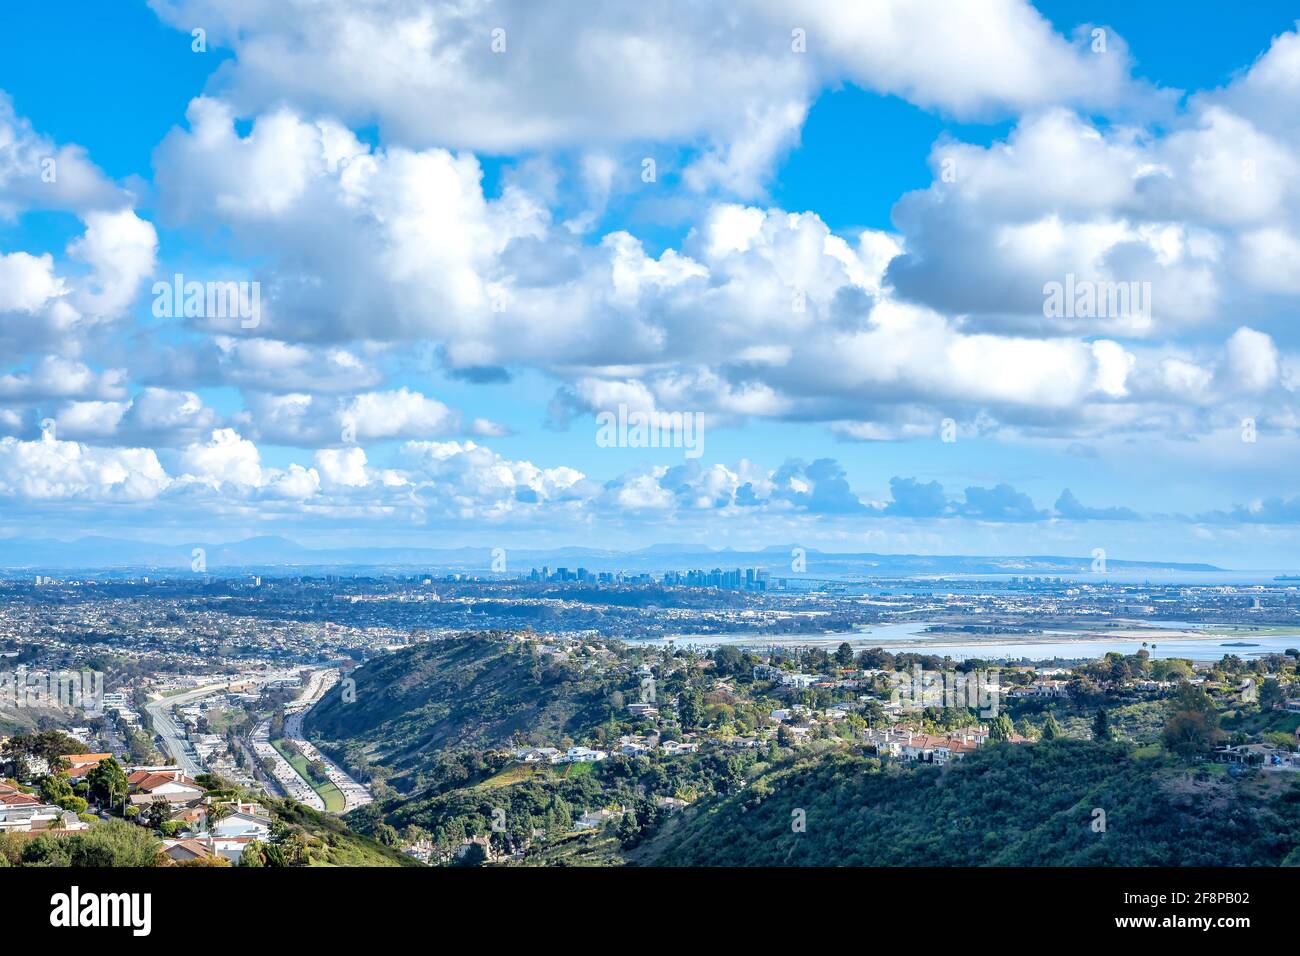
(110,843)
(329,841)
(1005,805)
(477,691)
(435,726)
(535,808)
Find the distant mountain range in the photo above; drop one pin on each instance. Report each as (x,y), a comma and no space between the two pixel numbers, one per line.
(274,552)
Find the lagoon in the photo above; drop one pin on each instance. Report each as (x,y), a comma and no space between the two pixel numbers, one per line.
(911,637)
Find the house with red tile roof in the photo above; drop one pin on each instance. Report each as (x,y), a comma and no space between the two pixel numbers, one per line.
(81,764)
(148,785)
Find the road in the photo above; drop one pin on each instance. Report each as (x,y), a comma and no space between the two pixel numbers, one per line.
(316,685)
(174,743)
(355,794)
(289,779)
(178,749)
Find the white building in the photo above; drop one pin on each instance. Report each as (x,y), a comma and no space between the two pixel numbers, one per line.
(584,755)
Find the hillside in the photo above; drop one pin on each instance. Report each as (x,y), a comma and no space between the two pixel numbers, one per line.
(331,842)
(479,691)
(1002,806)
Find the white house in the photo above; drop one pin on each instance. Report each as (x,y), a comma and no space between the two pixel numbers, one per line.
(671,747)
(538,755)
(596,818)
(28,819)
(797,680)
(242,825)
(584,755)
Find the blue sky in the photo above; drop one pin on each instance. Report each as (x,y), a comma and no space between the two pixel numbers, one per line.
(841,258)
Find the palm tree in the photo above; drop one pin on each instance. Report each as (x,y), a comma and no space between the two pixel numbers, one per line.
(216,813)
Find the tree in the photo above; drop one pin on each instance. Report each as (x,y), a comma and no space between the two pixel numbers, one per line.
(157,813)
(844,655)
(54,787)
(1171,668)
(1193,725)
(690,708)
(107,782)
(1027,729)
(1271,694)
(111,843)
(474,854)
(1001,728)
(48,746)
(295,849)
(729,659)
(216,812)
(628,831)
(1052,729)
(254,854)
(1101,726)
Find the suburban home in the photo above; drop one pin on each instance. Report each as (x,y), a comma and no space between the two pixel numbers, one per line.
(1265,756)
(584,755)
(11,796)
(182,851)
(538,755)
(81,764)
(910,744)
(486,844)
(672,747)
(789,713)
(596,818)
(192,817)
(171,785)
(1042,688)
(787,679)
(242,825)
(930,748)
(38,818)
(232,848)
(206,847)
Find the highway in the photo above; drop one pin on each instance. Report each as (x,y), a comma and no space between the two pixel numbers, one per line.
(355,794)
(289,779)
(175,745)
(315,688)
(316,685)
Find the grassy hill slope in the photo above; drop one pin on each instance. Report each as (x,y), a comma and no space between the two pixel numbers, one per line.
(333,843)
(1003,806)
(466,691)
